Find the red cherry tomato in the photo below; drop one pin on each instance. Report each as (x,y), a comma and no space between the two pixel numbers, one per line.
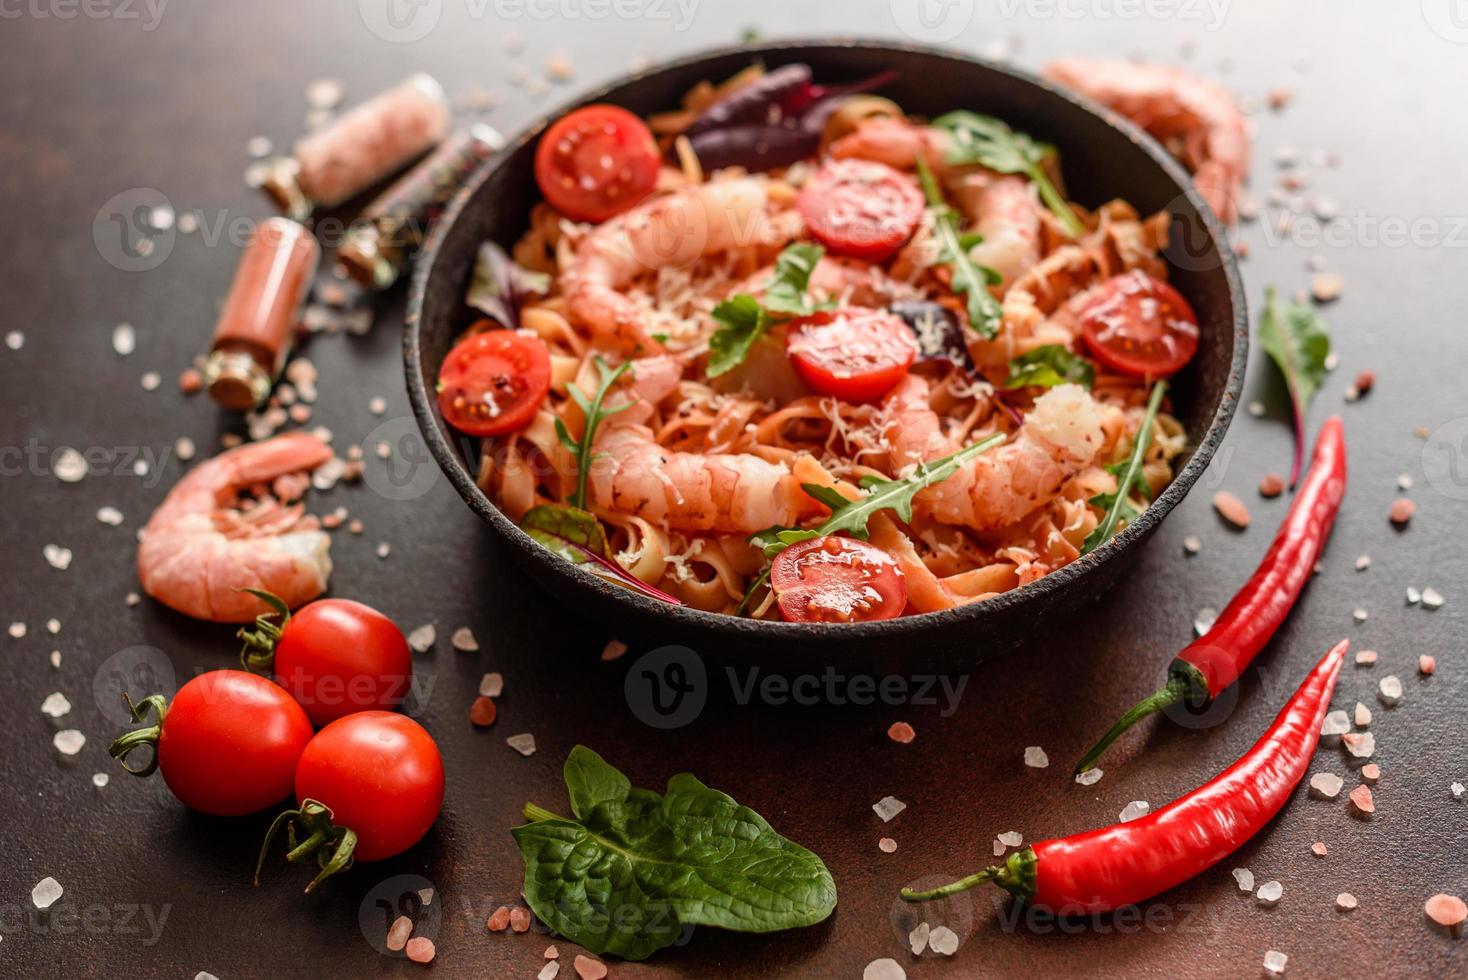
(381,776)
(596,162)
(230,742)
(861,208)
(493,382)
(855,354)
(1138,325)
(336,656)
(837,580)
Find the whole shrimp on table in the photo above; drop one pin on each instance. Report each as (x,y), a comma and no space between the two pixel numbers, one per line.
(1194,118)
(201,547)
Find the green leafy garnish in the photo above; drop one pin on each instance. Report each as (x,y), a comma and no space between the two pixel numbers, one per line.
(744,321)
(990,142)
(1294,337)
(1048,366)
(595,414)
(1118,505)
(851,516)
(631,869)
(577,536)
(973,281)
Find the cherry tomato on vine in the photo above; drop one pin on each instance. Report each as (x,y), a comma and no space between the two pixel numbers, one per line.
(861,208)
(335,656)
(1138,325)
(855,354)
(596,162)
(837,580)
(493,382)
(227,744)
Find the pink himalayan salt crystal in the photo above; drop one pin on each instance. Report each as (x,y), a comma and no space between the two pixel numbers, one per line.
(901,732)
(397,935)
(1446,910)
(1361,799)
(420,949)
(1427,663)
(1231,509)
(588,968)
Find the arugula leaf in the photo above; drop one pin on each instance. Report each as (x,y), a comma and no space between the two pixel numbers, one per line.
(744,321)
(577,536)
(990,142)
(973,281)
(1050,365)
(1295,338)
(595,414)
(633,869)
(1118,505)
(500,286)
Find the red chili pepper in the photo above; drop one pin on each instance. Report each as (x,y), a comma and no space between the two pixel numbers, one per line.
(1215,660)
(1128,863)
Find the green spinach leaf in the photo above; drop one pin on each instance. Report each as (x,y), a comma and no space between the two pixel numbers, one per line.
(990,142)
(743,320)
(1294,337)
(1048,366)
(632,869)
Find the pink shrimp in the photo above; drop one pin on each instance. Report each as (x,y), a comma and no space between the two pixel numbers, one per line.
(1193,117)
(1004,208)
(722,492)
(200,548)
(1061,436)
(675,229)
(912,431)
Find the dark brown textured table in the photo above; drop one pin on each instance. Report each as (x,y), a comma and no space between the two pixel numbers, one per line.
(113,98)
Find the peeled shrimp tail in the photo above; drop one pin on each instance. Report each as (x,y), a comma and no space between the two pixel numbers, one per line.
(198,550)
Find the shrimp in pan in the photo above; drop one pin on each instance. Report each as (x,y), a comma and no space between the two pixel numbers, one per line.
(1194,118)
(200,547)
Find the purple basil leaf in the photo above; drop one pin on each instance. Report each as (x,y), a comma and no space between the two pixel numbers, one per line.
(751,104)
(500,287)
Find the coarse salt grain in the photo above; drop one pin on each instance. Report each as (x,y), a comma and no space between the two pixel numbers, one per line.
(482,712)
(1275,961)
(1401,511)
(1011,838)
(1361,745)
(885,968)
(1319,849)
(69,741)
(491,684)
(943,941)
(887,845)
(1326,287)
(549,971)
(519,919)
(1245,879)
(57,556)
(1256,409)
(523,743)
(1362,715)
(1446,910)
(1371,772)
(398,933)
(1361,799)
(901,732)
(377,406)
(1390,689)
(1431,598)
(1457,789)
(1427,664)
(1336,723)
(1414,596)
(1134,810)
(151,380)
(124,339)
(1363,563)
(420,949)
(1365,658)
(1345,901)
(69,466)
(917,940)
(17,631)
(55,705)
(15,340)
(888,807)
(1191,545)
(110,516)
(1270,893)
(422,638)
(1326,784)
(46,892)
(551,953)
(588,968)
(100,779)
(1090,777)
(1272,485)
(1035,757)
(463,640)
(1204,620)
(384,549)
(1231,509)
(499,919)
(55,658)
(1359,615)
(614,650)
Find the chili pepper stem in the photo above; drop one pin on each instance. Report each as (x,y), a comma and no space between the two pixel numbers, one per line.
(1178,688)
(953,887)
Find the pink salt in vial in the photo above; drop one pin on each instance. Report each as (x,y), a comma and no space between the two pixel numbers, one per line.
(363,146)
(257,323)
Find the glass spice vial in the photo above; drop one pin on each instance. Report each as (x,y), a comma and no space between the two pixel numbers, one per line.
(361,147)
(257,322)
(378,248)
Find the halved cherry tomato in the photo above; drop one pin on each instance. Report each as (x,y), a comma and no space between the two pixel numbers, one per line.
(861,208)
(837,580)
(493,382)
(336,657)
(1138,325)
(227,745)
(596,162)
(854,353)
(381,776)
